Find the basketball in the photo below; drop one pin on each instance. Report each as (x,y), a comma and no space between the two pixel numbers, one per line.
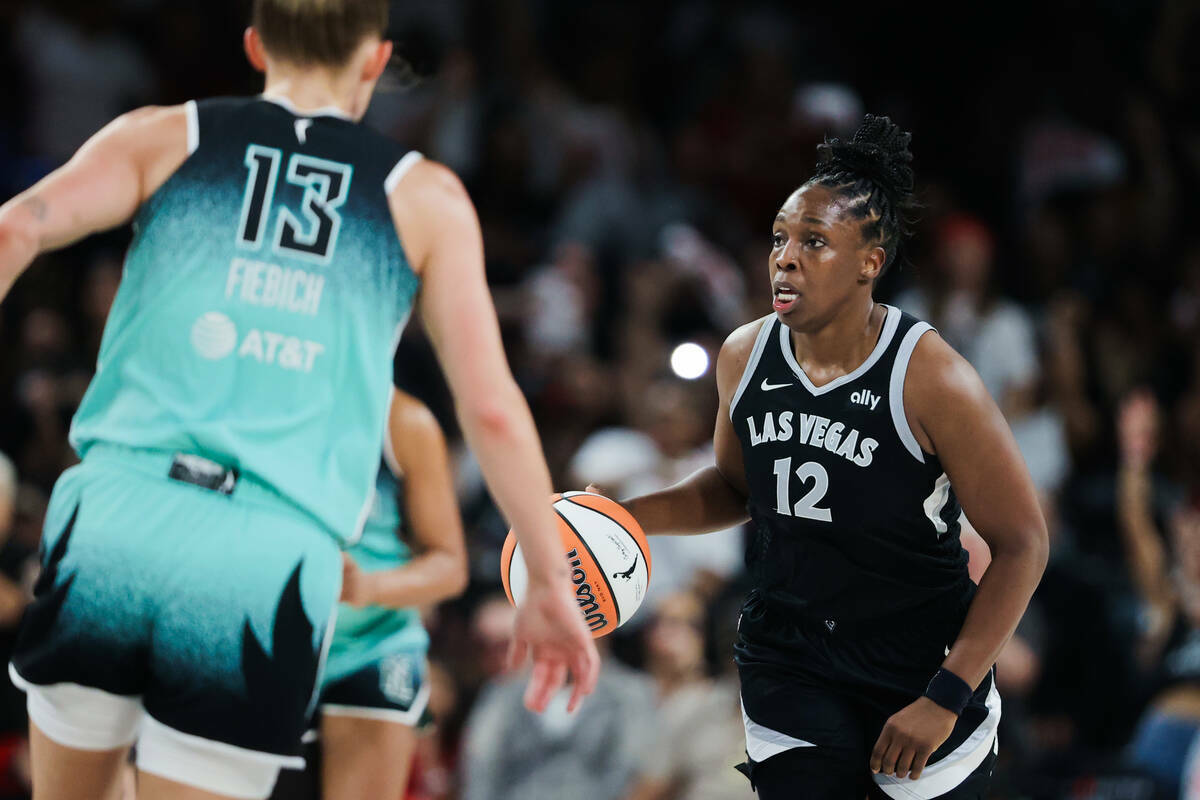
(606,551)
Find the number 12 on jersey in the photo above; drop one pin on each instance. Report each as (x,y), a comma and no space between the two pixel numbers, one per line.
(326,185)
(806,507)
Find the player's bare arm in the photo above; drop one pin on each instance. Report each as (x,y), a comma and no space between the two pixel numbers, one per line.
(952,416)
(124,164)
(713,498)
(438,571)
(437,223)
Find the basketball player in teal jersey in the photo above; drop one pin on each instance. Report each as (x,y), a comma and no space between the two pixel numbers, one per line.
(230,437)
(375,693)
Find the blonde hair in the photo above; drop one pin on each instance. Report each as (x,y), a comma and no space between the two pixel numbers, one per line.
(324,32)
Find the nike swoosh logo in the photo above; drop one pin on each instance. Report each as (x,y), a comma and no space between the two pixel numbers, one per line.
(766,387)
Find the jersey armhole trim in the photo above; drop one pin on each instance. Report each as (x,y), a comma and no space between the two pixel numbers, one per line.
(400,170)
(760,344)
(896,389)
(193,126)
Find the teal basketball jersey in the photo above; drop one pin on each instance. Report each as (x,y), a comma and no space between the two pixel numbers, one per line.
(364,635)
(262,298)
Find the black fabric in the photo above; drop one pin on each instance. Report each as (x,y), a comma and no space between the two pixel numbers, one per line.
(841,532)
(948,690)
(836,692)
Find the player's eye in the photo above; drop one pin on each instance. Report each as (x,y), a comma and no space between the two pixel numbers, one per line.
(815,242)
(777,239)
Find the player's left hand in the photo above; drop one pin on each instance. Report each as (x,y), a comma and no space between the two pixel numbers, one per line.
(910,736)
(356,584)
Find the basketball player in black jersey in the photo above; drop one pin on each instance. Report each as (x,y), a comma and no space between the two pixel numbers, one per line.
(853,436)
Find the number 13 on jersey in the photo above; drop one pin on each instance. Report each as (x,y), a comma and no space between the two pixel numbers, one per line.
(326,185)
(806,507)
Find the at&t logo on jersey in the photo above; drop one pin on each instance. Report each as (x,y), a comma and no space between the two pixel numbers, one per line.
(814,431)
(214,337)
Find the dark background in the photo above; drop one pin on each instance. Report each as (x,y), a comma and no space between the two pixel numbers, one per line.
(626,159)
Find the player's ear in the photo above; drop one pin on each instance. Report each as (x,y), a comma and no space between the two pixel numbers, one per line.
(872,265)
(381,54)
(256,54)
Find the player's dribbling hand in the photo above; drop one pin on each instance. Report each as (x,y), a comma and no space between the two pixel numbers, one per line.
(550,628)
(910,736)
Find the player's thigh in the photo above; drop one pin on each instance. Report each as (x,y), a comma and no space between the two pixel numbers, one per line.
(370,715)
(802,739)
(812,773)
(156,787)
(365,758)
(67,773)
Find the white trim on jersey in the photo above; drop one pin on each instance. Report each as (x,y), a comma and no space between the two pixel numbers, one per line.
(936,502)
(389,449)
(763,742)
(760,344)
(369,499)
(325,111)
(410,717)
(400,170)
(896,389)
(890,322)
(326,642)
(940,777)
(193,125)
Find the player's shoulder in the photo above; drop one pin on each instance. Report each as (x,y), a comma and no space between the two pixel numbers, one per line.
(736,350)
(148,119)
(741,340)
(426,178)
(937,373)
(410,412)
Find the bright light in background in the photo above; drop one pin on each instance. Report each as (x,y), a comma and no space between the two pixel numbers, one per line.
(689,360)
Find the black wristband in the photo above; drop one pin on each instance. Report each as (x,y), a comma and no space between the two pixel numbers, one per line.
(949,691)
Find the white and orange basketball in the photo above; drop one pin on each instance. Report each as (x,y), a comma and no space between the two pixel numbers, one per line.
(606,552)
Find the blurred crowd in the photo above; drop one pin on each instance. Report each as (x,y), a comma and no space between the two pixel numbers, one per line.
(626,159)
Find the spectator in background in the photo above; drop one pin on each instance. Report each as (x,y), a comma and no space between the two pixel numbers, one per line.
(83,72)
(700,738)
(1170,646)
(673,440)
(996,335)
(16,567)
(513,754)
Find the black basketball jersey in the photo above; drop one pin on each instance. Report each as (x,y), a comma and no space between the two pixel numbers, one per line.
(852,522)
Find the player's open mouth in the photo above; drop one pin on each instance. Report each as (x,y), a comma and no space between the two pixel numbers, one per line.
(785,298)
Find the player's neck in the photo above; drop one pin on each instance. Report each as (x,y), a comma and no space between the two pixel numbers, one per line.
(312,90)
(841,345)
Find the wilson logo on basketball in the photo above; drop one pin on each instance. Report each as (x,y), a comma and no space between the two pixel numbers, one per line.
(607,555)
(584,596)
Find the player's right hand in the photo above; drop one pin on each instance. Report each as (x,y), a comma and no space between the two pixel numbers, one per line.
(550,628)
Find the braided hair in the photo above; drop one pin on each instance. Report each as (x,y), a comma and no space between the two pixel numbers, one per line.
(874,172)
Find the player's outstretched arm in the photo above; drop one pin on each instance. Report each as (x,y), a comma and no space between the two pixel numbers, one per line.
(952,415)
(101,187)
(713,498)
(437,223)
(417,452)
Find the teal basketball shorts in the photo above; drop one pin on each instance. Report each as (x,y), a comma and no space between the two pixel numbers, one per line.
(189,614)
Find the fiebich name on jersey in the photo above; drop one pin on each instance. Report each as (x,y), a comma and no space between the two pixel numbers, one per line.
(259,283)
(814,431)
